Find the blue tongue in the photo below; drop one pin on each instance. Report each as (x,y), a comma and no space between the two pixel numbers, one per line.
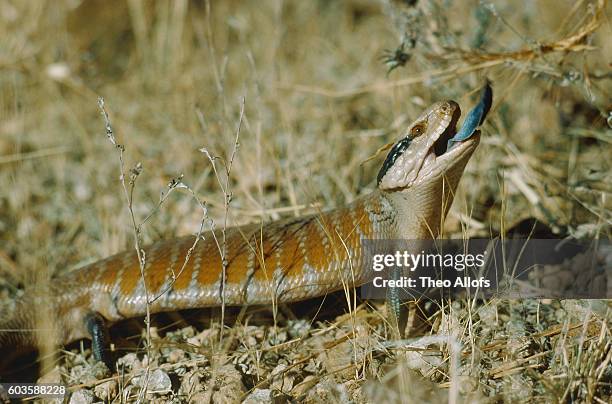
(474,118)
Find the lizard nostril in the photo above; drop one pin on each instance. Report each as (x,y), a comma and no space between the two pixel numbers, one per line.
(448,107)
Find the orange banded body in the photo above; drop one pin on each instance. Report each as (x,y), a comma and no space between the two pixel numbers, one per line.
(284,261)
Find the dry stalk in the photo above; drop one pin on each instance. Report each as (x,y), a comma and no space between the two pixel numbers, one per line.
(224,184)
(128,191)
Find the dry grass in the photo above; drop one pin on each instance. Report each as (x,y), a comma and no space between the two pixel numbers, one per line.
(319,101)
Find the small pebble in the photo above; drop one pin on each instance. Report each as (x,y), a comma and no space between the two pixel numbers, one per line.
(158,381)
(82,397)
(259,396)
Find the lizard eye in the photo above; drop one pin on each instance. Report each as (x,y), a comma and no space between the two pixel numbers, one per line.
(417,130)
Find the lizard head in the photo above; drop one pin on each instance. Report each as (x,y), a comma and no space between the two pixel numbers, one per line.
(421,157)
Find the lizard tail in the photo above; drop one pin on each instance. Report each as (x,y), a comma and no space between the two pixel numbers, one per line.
(16,325)
(20,329)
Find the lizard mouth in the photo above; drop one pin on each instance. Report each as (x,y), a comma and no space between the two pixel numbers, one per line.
(441,158)
(451,150)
